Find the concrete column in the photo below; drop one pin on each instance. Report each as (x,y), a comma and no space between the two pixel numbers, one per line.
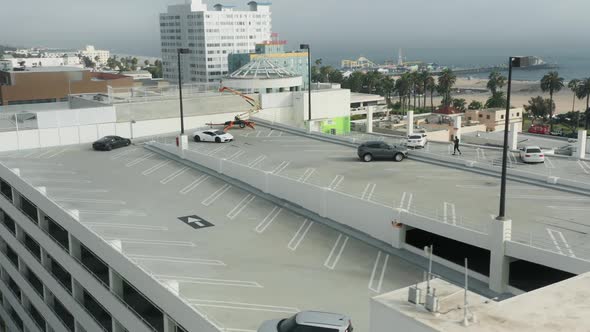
(116,283)
(43,223)
(369,128)
(20,234)
(169,324)
(500,232)
(45,261)
(514,130)
(16,198)
(581,145)
(75,247)
(458,120)
(77,291)
(117,327)
(410,123)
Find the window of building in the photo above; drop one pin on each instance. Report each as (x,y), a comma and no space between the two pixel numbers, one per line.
(6,190)
(66,317)
(14,288)
(488,116)
(16,318)
(8,222)
(95,265)
(146,309)
(58,233)
(33,246)
(37,317)
(98,312)
(502,116)
(29,209)
(61,275)
(12,256)
(518,114)
(35,282)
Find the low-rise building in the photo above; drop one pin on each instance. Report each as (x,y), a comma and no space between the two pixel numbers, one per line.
(92,53)
(54,84)
(10,63)
(493,119)
(138,74)
(273,51)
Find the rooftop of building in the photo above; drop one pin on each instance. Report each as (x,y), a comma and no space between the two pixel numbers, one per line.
(53,69)
(262,68)
(558,307)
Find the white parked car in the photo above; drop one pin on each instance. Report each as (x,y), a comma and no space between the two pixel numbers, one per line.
(309,321)
(217,136)
(417,141)
(532,154)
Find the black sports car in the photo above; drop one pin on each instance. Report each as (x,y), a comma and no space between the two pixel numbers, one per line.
(108,143)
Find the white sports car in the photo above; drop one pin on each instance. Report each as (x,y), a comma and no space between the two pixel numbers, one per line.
(217,136)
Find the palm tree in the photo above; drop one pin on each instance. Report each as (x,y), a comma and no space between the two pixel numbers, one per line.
(496,81)
(551,83)
(446,80)
(402,86)
(573,85)
(584,92)
(431,86)
(426,79)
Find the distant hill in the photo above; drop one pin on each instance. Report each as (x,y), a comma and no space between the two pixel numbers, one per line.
(6,48)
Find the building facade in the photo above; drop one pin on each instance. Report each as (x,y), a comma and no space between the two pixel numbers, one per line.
(92,53)
(273,51)
(493,119)
(210,36)
(48,85)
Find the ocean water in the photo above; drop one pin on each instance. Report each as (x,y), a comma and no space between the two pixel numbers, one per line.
(572,62)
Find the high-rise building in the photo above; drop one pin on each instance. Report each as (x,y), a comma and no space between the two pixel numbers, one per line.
(209,36)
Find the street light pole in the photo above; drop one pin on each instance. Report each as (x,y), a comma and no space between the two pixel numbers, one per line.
(181,51)
(512,62)
(308,48)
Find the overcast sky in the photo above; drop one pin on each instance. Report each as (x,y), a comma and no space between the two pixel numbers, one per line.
(333,27)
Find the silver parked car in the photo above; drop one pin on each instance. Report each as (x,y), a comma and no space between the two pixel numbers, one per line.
(379,150)
(309,321)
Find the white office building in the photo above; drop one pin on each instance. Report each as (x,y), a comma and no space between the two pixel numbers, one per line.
(92,53)
(210,36)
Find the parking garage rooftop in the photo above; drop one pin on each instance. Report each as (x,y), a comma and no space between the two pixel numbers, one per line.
(559,307)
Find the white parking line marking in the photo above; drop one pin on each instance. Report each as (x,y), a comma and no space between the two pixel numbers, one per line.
(30,154)
(88,200)
(299,236)
(194,184)
(258,133)
(55,154)
(236,155)
(306,175)
(550,231)
(57,180)
(174,175)
(256,161)
(280,133)
(126,213)
(449,208)
(406,205)
(241,206)
(268,220)
(567,246)
(154,242)
(79,190)
(156,167)
(383,268)
(177,260)
(569,208)
(49,171)
(270,133)
(126,226)
(123,153)
(368,192)
(140,159)
(549,163)
(211,199)
(551,198)
(336,182)
(332,265)
(242,306)
(217,150)
(209,281)
(281,167)
(582,164)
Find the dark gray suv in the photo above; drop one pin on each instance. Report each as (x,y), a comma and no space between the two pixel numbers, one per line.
(369,151)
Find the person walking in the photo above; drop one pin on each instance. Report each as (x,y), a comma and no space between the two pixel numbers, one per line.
(456,149)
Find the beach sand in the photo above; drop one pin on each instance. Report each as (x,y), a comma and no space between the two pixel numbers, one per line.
(522,92)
